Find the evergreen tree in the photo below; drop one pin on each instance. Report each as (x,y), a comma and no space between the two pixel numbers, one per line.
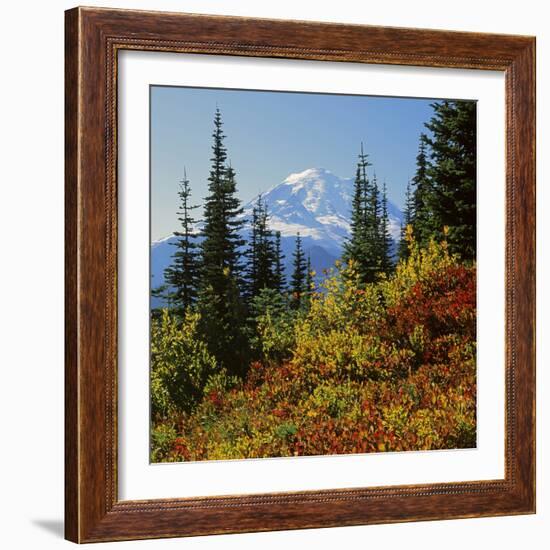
(220,304)
(182,275)
(232,212)
(423,216)
(299,274)
(309,285)
(363,246)
(408,218)
(373,220)
(280,279)
(386,263)
(221,243)
(355,246)
(261,252)
(452,172)
(162,293)
(251,270)
(266,249)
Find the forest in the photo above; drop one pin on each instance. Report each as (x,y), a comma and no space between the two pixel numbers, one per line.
(378,354)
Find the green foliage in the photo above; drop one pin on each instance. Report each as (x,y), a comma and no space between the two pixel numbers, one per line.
(369,245)
(163,436)
(387,366)
(374,359)
(222,325)
(363,246)
(298,281)
(263,253)
(406,226)
(280,279)
(452,174)
(219,302)
(386,262)
(420,265)
(443,193)
(182,275)
(220,246)
(273,326)
(220,382)
(421,216)
(180,364)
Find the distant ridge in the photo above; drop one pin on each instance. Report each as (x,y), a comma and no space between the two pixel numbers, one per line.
(315,202)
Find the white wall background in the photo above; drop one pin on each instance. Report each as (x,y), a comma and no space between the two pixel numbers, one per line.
(31,225)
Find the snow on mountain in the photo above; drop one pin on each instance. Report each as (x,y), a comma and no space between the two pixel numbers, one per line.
(316,203)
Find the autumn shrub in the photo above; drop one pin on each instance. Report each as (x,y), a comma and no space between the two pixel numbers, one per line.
(163,435)
(180,364)
(388,366)
(422,263)
(273,331)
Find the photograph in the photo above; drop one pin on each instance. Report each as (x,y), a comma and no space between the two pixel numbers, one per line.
(277,278)
(312,274)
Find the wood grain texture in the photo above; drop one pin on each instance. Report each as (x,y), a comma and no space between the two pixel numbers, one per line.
(93,38)
(71,270)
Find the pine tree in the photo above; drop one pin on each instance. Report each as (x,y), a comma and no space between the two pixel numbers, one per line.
(182,275)
(232,212)
(452,173)
(298,274)
(266,250)
(280,279)
(355,246)
(309,278)
(386,263)
(423,216)
(363,246)
(221,243)
(162,293)
(369,207)
(220,304)
(408,218)
(261,253)
(373,220)
(251,270)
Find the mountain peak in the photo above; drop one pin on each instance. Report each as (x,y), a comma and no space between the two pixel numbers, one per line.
(317,203)
(307,174)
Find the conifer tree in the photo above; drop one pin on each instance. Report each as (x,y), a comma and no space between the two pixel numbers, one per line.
(266,249)
(373,220)
(309,277)
(408,218)
(232,212)
(299,274)
(452,173)
(355,247)
(362,247)
(220,304)
(280,279)
(182,275)
(220,247)
(251,270)
(423,216)
(369,208)
(386,263)
(261,252)
(162,293)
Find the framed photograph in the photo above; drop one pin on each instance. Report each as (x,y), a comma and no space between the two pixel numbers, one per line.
(300,275)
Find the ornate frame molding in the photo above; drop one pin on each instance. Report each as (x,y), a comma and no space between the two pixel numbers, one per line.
(93,38)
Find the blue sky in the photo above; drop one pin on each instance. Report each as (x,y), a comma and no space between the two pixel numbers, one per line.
(273,134)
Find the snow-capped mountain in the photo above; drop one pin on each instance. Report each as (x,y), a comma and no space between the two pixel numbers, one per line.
(316,203)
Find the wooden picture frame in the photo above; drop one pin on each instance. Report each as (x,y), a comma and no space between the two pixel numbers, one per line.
(94,36)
